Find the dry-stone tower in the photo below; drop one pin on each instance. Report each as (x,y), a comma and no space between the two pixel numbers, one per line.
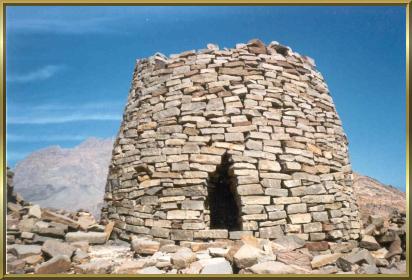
(224,143)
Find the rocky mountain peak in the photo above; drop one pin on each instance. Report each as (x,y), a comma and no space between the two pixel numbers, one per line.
(55,176)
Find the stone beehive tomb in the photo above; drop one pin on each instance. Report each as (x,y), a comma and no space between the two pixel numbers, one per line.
(224,143)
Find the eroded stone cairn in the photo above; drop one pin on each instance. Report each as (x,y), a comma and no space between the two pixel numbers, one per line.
(48,241)
(228,143)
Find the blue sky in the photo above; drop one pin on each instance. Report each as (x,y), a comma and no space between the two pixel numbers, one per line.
(69,68)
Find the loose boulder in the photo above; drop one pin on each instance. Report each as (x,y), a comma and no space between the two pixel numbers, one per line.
(57,264)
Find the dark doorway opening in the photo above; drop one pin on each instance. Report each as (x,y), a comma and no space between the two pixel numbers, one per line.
(222,199)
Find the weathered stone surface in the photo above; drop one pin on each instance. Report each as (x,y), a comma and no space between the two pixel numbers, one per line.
(392,270)
(91,237)
(23,251)
(277,215)
(150,270)
(294,258)
(217,266)
(296,208)
(388,237)
(368,269)
(359,257)
(318,198)
(35,211)
(369,242)
(182,214)
(272,267)
(54,217)
(53,248)
(376,220)
(343,247)
(271,232)
(287,243)
(149,183)
(183,257)
(99,266)
(15,266)
(239,234)
(317,236)
(267,165)
(394,249)
(300,218)
(85,221)
(256,46)
(166,113)
(177,234)
(206,159)
(169,248)
(259,200)
(317,246)
(55,232)
(27,235)
(129,267)
(26,225)
(159,232)
(312,227)
(145,246)
(211,234)
(80,256)
(251,189)
(34,260)
(322,260)
(271,183)
(57,264)
(14,207)
(320,216)
(246,256)
(379,254)
(286,200)
(344,264)
(218,252)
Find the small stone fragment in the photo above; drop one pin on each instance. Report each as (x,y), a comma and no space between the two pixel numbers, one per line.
(369,242)
(91,237)
(183,257)
(145,246)
(272,267)
(322,260)
(53,248)
(217,266)
(57,264)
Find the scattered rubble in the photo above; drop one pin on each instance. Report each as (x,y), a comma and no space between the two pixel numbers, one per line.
(48,241)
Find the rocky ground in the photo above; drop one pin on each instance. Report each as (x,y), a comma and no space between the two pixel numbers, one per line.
(44,241)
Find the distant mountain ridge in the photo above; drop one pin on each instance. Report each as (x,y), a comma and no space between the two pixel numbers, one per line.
(66,178)
(75,178)
(376,198)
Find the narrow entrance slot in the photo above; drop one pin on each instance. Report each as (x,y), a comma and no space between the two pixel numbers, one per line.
(224,211)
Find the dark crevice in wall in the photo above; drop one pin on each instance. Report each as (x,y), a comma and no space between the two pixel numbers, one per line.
(222,199)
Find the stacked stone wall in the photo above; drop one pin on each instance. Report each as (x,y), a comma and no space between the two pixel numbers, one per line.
(225,143)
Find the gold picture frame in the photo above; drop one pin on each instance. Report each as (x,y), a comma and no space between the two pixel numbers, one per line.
(5,3)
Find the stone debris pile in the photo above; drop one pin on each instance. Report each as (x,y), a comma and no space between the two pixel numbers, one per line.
(45,240)
(219,144)
(283,255)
